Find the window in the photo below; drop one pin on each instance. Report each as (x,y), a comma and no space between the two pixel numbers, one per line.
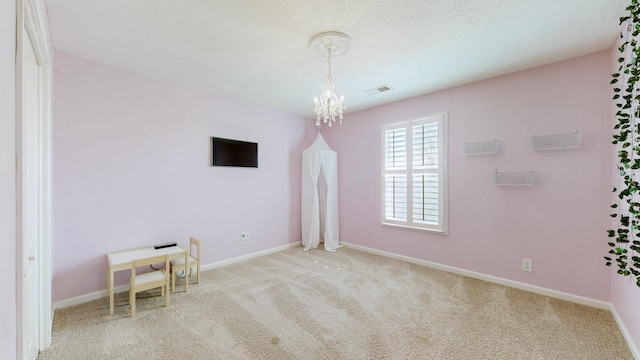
(414,184)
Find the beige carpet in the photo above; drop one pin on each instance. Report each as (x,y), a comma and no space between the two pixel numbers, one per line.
(344,305)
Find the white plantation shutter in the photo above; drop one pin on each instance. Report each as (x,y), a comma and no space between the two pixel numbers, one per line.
(395,149)
(425,173)
(395,180)
(395,197)
(414,186)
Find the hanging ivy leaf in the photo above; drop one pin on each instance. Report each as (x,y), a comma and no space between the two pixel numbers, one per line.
(624,239)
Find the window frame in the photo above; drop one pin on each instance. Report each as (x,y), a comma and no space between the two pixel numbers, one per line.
(442,227)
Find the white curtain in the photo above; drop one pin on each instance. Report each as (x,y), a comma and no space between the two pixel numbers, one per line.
(320,196)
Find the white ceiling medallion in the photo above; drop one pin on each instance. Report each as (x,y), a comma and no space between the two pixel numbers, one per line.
(329,44)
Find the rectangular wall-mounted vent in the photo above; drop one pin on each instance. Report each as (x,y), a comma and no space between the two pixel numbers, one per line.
(378,89)
(481,148)
(556,141)
(514,178)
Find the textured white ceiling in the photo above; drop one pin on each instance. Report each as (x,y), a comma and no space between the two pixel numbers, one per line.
(258,50)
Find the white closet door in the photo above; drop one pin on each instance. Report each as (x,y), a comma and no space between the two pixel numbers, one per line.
(30,204)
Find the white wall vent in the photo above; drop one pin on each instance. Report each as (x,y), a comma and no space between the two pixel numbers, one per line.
(378,89)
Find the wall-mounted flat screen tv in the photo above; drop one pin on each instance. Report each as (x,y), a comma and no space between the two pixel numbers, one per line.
(228,152)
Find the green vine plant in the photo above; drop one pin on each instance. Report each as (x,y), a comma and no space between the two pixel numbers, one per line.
(624,239)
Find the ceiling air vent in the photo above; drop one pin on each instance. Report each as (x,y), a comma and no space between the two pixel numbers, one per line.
(378,90)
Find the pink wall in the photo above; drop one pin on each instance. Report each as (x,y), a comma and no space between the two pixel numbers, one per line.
(625,294)
(560,222)
(131,169)
(131,158)
(7,180)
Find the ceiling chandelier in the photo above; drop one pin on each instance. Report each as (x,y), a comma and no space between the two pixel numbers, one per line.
(329,106)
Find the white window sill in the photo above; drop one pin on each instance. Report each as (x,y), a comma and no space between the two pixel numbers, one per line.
(415,228)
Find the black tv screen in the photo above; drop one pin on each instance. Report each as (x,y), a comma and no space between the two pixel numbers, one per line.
(227,152)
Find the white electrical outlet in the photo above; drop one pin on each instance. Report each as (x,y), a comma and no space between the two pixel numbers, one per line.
(527,265)
(245,236)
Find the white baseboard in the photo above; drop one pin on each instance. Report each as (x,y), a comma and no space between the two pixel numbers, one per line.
(493,279)
(510,283)
(87,297)
(103,293)
(625,333)
(249,256)
(515,284)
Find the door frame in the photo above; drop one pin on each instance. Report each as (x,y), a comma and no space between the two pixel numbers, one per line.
(30,18)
